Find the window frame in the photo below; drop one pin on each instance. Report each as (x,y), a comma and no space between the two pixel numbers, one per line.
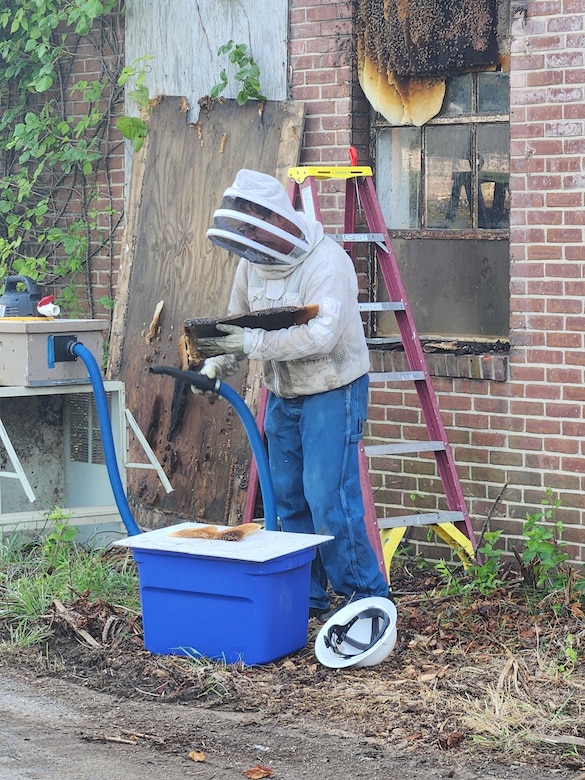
(472,120)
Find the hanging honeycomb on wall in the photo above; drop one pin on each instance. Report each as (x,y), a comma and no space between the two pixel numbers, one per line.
(407,48)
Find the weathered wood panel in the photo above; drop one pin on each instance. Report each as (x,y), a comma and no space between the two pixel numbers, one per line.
(183,37)
(177,183)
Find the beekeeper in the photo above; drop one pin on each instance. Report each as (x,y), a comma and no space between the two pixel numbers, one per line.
(316,375)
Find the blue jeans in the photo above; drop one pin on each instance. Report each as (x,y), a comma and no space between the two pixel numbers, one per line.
(313,456)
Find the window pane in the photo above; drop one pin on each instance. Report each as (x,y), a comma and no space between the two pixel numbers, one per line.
(398,176)
(448,201)
(493,93)
(458,288)
(457,96)
(493,174)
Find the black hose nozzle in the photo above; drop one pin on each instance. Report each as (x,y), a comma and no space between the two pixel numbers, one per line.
(205,384)
(200,381)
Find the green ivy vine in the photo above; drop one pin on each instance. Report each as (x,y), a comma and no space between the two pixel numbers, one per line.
(247,74)
(57,207)
(134,128)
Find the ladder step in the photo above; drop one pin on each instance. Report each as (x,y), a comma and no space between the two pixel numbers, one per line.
(303,172)
(396,376)
(404,448)
(382,306)
(356,238)
(451,526)
(428,518)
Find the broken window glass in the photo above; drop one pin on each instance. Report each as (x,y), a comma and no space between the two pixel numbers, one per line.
(399,161)
(448,197)
(493,95)
(458,96)
(493,177)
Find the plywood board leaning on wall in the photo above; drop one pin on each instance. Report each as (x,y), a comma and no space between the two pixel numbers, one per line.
(177,182)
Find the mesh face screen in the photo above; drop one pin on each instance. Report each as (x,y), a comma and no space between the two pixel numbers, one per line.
(249,235)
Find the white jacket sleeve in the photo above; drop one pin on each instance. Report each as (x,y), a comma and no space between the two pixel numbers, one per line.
(330,282)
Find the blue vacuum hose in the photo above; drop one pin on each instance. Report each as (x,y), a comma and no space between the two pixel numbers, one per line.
(204,383)
(101,402)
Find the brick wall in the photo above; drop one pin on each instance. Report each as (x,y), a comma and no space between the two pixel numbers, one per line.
(99,57)
(516,424)
(547,146)
(323,75)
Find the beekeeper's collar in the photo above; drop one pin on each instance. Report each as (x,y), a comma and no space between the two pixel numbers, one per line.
(235,230)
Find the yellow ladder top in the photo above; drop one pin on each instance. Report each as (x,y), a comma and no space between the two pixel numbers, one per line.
(328,172)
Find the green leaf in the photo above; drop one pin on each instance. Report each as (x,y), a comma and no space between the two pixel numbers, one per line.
(106,302)
(225,47)
(217,90)
(248,73)
(43,84)
(126,73)
(133,129)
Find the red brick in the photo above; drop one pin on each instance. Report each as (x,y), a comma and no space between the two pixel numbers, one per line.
(564,129)
(564,199)
(543,113)
(542,461)
(529,62)
(549,288)
(564,164)
(576,76)
(574,145)
(564,305)
(564,445)
(573,428)
(573,111)
(575,253)
(545,217)
(564,340)
(573,464)
(542,78)
(542,426)
(563,410)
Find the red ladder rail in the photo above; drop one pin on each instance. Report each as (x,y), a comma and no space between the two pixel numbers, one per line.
(455,525)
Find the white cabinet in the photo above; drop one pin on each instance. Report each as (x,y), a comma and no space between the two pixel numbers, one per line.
(51,456)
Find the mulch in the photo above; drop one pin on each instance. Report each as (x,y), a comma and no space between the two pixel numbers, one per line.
(503,671)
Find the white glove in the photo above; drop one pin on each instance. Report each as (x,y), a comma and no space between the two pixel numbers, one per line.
(218,367)
(232,344)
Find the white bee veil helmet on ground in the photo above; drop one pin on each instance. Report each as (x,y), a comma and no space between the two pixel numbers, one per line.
(362,633)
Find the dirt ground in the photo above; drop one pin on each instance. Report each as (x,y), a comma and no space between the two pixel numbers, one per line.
(476,691)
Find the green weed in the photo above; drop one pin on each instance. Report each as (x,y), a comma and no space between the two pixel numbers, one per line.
(486,575)
(541,561)
(33,573)
(248,74)
(133,128)
(542,557)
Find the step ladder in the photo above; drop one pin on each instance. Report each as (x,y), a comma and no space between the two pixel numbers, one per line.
(452,526)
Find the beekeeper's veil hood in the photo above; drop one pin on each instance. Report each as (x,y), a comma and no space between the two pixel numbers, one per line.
(244,211)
